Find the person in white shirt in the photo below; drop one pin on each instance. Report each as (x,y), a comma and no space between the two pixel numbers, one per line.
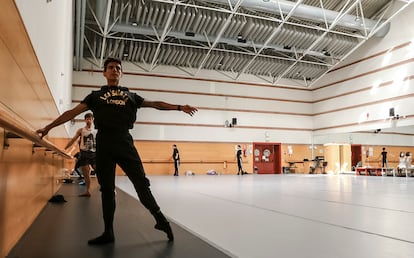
(408,160)
(87,146)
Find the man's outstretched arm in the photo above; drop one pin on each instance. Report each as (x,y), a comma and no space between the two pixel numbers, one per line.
(160,105)
(66,116)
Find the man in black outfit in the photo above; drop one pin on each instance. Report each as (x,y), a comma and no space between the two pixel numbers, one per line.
(239,160)
(384,158)
(176,158)
(114,108)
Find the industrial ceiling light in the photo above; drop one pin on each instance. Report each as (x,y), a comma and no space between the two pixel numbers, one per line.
(240,39)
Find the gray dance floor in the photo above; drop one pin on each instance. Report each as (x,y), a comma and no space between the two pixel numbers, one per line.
(62,231)
(292,216)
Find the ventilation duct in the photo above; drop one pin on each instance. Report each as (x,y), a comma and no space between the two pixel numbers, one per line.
(199,37)
(302,11)
(307,12)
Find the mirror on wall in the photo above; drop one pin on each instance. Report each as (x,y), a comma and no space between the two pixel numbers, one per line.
(339,148)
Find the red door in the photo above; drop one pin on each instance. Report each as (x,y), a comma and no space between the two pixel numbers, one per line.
(356,154)
(266,158)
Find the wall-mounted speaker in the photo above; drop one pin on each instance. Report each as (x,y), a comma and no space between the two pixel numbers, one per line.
(392,112)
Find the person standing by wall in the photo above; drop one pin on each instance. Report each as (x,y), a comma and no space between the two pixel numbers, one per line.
(384,158)
(176,158)
(239,160)
(87,146)
(408,160)
(115,111)
(401,168)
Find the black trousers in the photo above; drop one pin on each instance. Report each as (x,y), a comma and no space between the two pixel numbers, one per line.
(176,166)
(118,148)
(239,165)
(384,163)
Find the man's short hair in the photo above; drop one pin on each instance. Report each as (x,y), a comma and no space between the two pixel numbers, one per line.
(110,60)
(88,115)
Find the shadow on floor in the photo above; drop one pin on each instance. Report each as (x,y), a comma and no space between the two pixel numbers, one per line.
(62,231)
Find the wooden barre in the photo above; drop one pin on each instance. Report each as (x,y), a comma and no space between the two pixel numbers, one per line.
(10,123)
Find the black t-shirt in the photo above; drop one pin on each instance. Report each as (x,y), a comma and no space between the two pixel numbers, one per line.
(113,107)
(239,154)
(176,155)
(384,156)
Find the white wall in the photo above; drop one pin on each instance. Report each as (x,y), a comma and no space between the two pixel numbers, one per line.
(351,103)
(264,113)
(50,25)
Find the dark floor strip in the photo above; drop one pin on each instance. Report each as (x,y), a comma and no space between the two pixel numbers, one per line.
(62,231)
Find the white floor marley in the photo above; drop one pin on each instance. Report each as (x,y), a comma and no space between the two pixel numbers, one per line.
(292,216)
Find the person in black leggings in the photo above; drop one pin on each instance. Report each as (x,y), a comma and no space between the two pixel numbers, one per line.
(176,158)
(239,160)
(77,167)
(114,108)
(384,158)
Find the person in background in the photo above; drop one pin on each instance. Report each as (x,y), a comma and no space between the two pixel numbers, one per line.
(239,160)
(87,146)
(384,158)
(115,111)
(401,163)
(408,159)
(176,158)
(77,167)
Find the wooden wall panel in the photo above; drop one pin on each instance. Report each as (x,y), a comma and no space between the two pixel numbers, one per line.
(197,157)
(200,157)
(61,143)
(27,181)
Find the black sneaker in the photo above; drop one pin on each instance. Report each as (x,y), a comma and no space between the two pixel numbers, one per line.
(102,240)
(165,226)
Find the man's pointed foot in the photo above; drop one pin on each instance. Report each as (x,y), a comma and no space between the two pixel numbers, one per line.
(102,240)
(165,227)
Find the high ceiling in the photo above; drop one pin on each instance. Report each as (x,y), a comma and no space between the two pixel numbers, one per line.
(276,40)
